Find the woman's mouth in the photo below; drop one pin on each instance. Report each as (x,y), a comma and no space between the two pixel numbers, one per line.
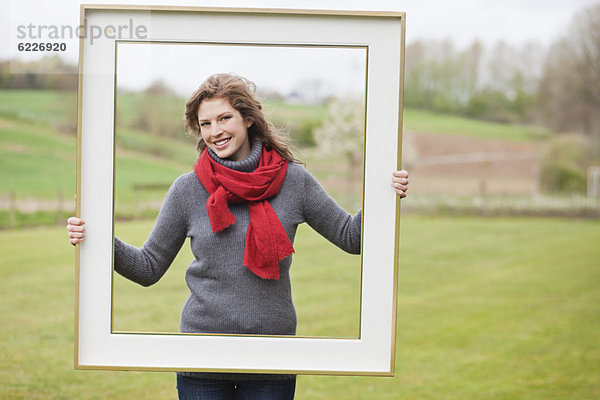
(221,142)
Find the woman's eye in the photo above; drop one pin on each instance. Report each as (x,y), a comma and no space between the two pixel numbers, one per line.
(225,117)
(203,124)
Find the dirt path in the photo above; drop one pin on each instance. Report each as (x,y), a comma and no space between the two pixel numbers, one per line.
(462,165)
(29,205)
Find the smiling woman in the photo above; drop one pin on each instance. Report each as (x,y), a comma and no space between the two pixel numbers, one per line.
(212,116)
(223,129)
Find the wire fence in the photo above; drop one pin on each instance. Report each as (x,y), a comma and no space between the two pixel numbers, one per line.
(20,211)
(564,206)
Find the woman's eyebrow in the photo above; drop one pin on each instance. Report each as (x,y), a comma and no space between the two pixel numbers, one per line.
(217,117)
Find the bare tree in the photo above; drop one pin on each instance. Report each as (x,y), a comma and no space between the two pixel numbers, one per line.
(570,87)
(497,84)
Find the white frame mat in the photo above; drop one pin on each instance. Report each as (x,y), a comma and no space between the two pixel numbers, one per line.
(373,353)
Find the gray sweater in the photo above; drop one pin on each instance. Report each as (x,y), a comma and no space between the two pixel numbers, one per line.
(225,296)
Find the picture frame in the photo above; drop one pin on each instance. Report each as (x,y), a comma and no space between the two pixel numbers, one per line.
(97,346)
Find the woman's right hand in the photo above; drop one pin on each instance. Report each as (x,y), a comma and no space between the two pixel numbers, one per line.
(76,230)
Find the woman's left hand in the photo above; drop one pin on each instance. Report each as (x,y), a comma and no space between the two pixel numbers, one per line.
(400,182)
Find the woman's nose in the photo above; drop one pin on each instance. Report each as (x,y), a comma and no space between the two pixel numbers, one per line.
(216,129)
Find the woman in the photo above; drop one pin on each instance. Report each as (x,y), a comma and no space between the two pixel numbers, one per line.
(240,206)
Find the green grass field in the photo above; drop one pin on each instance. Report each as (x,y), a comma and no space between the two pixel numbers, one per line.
(430,122)
(46,106)
(489,308)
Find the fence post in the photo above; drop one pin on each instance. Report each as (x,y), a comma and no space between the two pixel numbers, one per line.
(12,209)
(593,183)
(137,211)
(60,206)
(483,194)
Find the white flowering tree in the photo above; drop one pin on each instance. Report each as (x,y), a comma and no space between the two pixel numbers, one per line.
(341,135)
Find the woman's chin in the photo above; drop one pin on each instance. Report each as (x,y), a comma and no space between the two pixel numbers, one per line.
(221,153)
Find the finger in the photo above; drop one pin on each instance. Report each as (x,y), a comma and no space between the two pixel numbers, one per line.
(402,181)
(401,174)
(75,221)
(76,235)
(76,239)
(75,228)
(400,193)
(399,186)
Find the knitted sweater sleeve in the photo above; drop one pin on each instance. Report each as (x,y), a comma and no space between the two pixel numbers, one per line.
(146,265)
(328,218)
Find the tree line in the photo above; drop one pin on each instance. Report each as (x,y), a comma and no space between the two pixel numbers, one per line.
(557,87)
(51,73)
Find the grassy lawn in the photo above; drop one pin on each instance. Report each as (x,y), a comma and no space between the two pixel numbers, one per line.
(35,160)
(493,308)
(430,122)
(48,106)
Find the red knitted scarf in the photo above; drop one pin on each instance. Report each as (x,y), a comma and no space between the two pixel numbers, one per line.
(266,240)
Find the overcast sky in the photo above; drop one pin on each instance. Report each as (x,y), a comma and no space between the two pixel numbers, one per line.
(462,21)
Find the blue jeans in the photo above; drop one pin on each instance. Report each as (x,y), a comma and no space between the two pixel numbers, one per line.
(215,389)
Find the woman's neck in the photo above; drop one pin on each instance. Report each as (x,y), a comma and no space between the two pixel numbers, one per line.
(248,164)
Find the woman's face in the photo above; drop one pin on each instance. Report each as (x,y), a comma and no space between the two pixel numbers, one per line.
(223,129)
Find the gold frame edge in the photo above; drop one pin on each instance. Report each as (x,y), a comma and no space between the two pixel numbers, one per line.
(356,13)
(244,10)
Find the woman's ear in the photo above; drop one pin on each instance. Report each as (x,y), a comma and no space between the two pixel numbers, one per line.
(249,123)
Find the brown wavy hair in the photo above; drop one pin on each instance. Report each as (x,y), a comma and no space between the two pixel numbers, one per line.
(240,93)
